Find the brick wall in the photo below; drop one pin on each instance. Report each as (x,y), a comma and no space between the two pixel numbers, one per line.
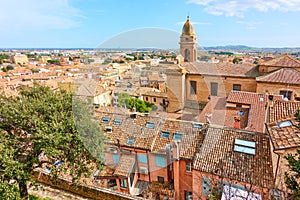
(275,88)
(86,191)
(225,85)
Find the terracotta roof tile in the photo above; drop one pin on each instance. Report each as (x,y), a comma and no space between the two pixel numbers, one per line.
(217,156)
(130,128)
(189,143)
(222,69)
(283,75)
(258,105)
(283,109)
(125,166)
(283,61)
(286,136)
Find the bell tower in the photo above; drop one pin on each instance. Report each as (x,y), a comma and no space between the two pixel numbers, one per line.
(188,42)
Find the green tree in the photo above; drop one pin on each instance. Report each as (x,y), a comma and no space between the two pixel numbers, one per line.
(9,67)
(236,60)
(292,179)
(139,105)
(123,99)
(41,122)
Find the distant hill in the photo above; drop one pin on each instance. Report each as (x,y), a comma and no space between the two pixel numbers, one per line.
(244,48)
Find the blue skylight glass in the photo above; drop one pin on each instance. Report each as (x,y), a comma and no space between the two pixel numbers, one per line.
(246,150)
(285,124)
(117,121)
(105,120)
(150,125)
(197,125)
(245,143)
(177,136)
(165,134)
(130,141)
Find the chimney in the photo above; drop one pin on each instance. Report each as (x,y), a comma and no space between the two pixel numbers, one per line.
(237,122)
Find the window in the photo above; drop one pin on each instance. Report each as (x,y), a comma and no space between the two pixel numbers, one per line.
(177,137)
(244,146)
(160,161)
(286,94)
(197,125)
(116,158)
(285,124)
(118,121)
(149,125)
(165,134)
(130,141)
(193,87)
(237,87)
(205,186)
(188,166)
(143,170)
(214,89)
(142,158)
(146,98)
(188,195)
(160,179)
(108,129)
(154,99)
(105,120)
(123,183)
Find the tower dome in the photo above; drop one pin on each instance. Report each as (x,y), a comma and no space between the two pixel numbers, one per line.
(188,28)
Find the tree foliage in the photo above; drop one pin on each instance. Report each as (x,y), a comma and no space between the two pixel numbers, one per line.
(292,179)
(41,122)
(123,99)
(139,105)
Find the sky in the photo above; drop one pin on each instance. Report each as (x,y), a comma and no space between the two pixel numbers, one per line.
(147,23)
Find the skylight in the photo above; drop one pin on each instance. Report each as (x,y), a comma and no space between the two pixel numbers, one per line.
(165,134)
(285,124)
(244,146)
(130,141)
(118,121)
(177,136)
(108,129)
(197,125)
(105,120)
(245,143)
(150,125)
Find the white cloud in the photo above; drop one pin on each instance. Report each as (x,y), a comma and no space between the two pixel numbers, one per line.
(239,7)
(250,24)
(22,15)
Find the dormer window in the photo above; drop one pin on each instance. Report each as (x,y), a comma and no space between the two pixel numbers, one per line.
(105,120)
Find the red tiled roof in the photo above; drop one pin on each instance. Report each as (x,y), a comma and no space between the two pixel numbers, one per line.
(217,156)
(283,61)
(130,128)
(222,69)
(284,137)
(125,166)
(190,142)
(258,106)
(283,75)
(283,109)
